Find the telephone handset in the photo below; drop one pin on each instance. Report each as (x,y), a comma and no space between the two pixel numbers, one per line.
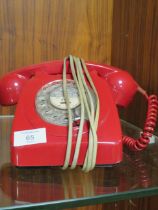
(66,114)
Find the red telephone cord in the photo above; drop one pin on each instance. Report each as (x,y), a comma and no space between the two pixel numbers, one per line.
(149,126)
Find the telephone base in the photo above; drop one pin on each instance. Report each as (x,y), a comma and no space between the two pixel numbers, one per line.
(52,151)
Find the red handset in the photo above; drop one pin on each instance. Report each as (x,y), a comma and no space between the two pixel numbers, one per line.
(38,85)
(122,85)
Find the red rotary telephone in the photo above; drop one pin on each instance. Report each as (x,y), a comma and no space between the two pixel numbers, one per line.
(39,131)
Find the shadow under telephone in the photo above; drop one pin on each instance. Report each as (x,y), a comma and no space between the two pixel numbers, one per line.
(54,127)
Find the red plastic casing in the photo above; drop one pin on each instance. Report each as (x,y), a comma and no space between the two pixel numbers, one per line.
(24,85)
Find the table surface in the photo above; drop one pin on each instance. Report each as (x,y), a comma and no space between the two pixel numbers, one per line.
(48,187)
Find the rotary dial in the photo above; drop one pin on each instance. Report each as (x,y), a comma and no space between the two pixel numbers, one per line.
(50,103)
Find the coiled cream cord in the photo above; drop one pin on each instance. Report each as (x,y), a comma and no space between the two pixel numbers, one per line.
(79,69)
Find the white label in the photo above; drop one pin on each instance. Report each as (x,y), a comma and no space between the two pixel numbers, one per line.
(28,137)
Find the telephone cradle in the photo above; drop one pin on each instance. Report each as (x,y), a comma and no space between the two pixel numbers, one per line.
(40,129)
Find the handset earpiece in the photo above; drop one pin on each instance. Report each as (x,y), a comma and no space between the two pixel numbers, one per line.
(123,87)
(11,84)
(10,88)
